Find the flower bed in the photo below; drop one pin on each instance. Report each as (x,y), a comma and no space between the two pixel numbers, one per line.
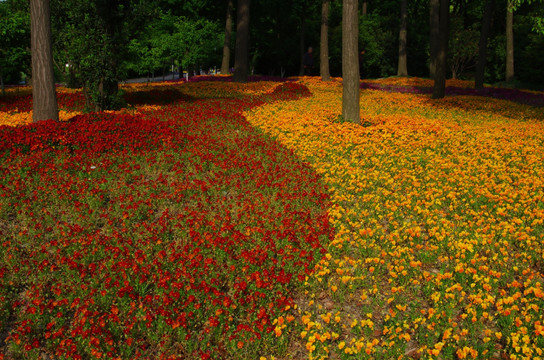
(438,211)
(180,231)
(456,87)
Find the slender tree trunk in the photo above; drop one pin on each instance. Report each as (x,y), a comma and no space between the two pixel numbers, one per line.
(509,42)
(2,82)
(225,63)
(241,55)
(364,8)
(43,82)
(434,18)
(324,47)
(302,43)
(350,61)
(482,46)
(402,69)
(439,90)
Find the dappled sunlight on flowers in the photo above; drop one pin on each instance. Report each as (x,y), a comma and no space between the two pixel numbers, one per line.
(438,212)
(156,231)
(144,233)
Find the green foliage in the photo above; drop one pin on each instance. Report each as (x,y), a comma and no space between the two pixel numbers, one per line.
(530,64)
(174,38)
(14,40)
(380,43)
(463,46)
(194,41)
(537,17)
(496,55)
(92,37)
(104,41)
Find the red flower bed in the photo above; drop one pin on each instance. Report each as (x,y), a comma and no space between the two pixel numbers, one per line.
(179,232)
(70,101)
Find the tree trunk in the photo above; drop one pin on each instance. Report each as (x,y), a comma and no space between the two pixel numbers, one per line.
(43,82)
(324,47)
(350,61)
(439,90)
(364,8)
(434,19)
(482,46)
(302,45)
(2,82)
(510,42)
(241,56)
(225,63)
(402,69)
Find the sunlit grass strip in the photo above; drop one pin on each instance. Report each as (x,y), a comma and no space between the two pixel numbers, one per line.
(438,208)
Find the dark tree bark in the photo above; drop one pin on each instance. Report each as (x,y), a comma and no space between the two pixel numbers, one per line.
(364,8)
(2,82)
(402,69)
(324,47)
(439,90)
(302,43)
(225,63)
(241,56)
(43,82)
(510,42)
(434,18)
(482,45)
(350,61)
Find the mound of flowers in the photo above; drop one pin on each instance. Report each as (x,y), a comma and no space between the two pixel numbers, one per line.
(178,232)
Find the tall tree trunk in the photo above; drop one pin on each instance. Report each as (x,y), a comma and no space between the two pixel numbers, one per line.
(439,90)
(350,61)
(402,69)
(482,45)
(2,82)
(324,47)
(43,82)
(225,63)
(364,8)
(241,55)
(302,43)
(510,42)
(434,21)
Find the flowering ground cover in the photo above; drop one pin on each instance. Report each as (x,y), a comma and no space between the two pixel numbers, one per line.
(438,210)
(174,227)
(455,87)
(173,231)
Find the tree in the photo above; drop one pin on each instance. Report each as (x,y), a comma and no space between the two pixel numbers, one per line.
(402,69)
(434,21)
(463,46)
(194,41)
(482,46)
(43,82)
(350,61)
(510,41)
(324,47)
(94,37)
(225,63)
(241,59)
(439,89)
